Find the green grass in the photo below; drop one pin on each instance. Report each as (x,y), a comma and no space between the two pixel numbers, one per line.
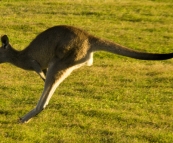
(118,99)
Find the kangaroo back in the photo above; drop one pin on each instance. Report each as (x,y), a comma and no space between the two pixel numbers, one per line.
(59,50)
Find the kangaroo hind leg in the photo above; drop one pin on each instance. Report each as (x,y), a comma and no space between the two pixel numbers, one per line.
(56,73)
(90,59)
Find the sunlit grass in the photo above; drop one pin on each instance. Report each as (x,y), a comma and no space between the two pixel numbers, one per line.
(118,99)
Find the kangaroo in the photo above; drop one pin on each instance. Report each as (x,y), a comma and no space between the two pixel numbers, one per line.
(59,50)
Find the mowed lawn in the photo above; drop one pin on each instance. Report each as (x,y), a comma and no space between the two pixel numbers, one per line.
(117,100)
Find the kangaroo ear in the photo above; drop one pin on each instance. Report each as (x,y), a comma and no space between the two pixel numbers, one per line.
(5,41)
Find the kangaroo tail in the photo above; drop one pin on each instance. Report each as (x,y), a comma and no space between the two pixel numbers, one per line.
(104,45)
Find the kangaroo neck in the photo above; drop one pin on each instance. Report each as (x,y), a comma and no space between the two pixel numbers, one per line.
(20,59)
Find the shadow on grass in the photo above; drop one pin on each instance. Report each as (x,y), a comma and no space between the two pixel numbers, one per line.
(2,112)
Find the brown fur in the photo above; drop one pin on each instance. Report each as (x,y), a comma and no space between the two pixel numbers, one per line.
(57,51)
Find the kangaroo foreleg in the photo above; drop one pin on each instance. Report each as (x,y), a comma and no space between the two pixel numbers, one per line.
(39,71)
(55,76)
(42,75)
(45,71)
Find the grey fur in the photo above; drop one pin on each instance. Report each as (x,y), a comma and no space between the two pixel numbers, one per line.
(59,50)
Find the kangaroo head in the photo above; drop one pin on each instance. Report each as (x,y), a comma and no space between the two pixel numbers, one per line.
(5,41)
(5,49)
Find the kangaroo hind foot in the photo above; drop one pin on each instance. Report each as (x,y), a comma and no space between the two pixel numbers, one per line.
(56,73)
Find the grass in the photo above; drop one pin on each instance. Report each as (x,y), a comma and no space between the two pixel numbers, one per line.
(118,99)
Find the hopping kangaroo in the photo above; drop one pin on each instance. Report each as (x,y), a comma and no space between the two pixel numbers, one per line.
(59,50)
